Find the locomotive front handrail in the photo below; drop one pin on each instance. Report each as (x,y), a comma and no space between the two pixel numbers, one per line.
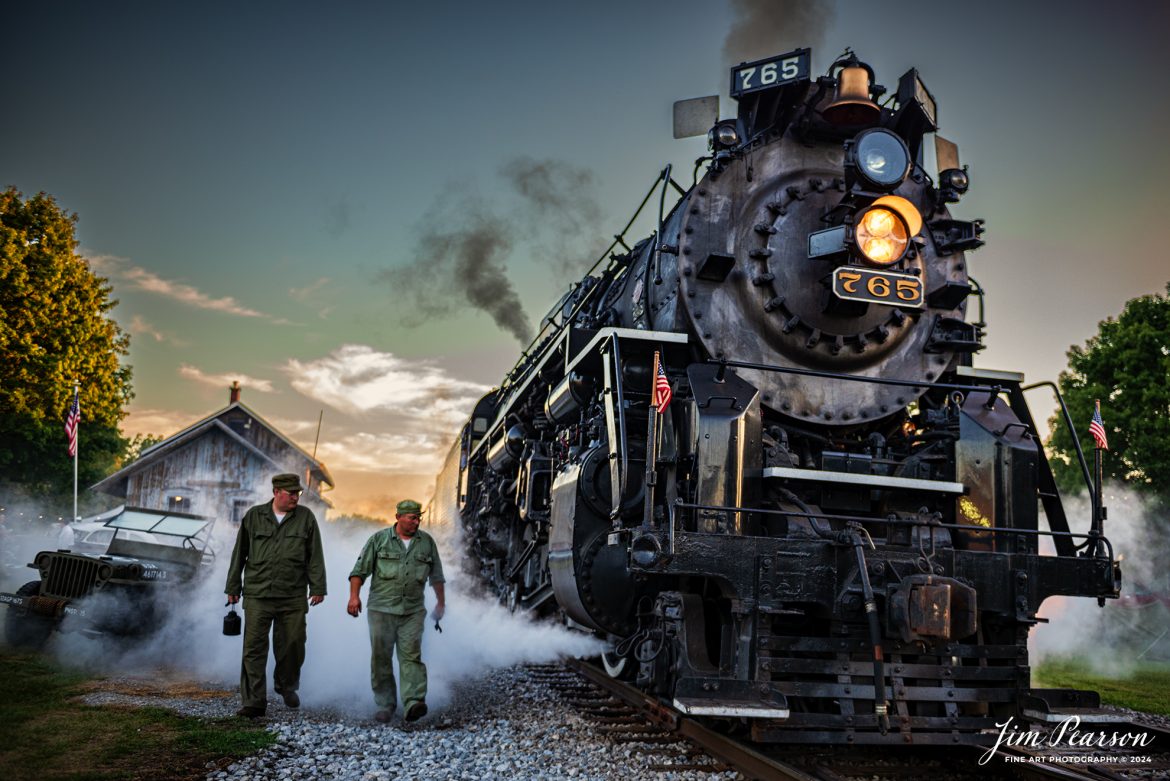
(1071,430)
(846,377)
(860,479)
(654,252)
(680,504)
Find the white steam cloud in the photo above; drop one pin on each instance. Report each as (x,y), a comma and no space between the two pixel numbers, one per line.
(478,635)
(1128,631)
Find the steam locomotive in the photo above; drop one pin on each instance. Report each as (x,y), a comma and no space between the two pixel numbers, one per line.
(753,454)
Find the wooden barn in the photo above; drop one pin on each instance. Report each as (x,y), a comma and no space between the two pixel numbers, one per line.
(219,467)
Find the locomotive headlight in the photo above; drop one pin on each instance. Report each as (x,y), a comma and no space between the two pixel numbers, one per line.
(879,159)
(881,236)
(884,230)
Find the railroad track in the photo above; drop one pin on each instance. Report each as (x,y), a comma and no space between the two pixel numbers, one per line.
(676,743)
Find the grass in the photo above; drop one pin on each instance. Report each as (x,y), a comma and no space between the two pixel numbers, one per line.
(47,734)
(1145,687)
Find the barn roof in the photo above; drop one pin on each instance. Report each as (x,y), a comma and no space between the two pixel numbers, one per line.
(115,484)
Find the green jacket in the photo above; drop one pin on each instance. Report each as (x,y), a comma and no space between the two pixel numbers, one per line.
(277,560)
(398,573)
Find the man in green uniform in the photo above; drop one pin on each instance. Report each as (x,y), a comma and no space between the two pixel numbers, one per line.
(278,556)
(398,561)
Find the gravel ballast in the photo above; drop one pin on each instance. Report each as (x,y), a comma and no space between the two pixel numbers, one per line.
(503,726)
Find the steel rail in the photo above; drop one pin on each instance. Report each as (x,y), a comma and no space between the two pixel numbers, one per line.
(744,759)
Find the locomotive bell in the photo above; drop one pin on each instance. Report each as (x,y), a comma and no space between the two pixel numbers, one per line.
(851,105)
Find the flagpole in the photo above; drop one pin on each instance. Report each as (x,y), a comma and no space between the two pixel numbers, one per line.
(1098,528)
(76,456)
(651,450)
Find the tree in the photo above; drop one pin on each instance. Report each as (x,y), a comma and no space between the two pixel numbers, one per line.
(54,331)
(136,447)
(1127,366)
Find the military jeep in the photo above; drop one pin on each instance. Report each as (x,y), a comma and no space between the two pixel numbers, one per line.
(151,556)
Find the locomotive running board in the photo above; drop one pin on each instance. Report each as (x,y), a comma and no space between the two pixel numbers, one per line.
(1054,706)
(730,697)
(872,481)
(732,710)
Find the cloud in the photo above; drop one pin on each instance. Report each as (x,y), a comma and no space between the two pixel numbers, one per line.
(140,326)
(388,452)
(158,422)
(358,379)
(309,290)
(396,415)
(143,279)
(226,379)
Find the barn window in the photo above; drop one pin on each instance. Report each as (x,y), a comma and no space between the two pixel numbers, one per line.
(177,502)
(239,508)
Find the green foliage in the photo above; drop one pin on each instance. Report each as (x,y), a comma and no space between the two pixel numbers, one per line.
(1146,687)
(136,446)
(54,331)
(1127,366)
(48,733)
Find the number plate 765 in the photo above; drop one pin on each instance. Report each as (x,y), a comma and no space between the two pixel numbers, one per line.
(854,283)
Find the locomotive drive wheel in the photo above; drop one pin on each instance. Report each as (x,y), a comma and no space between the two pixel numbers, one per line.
(23,628)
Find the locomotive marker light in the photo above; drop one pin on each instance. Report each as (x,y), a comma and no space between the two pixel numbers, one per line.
(723,134)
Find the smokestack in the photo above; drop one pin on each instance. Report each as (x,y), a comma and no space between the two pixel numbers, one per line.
(234,392)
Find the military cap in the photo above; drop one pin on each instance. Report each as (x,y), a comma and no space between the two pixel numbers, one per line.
(287,482)
(408,507)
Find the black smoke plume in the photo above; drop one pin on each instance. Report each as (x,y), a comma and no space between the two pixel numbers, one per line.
(762,28)
(465,250)
(465,247)
(560,207)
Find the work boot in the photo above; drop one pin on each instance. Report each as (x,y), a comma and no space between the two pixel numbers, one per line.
(416,711)
(291,699)
(250,712)
(383,716)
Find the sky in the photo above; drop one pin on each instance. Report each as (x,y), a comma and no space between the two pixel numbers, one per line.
(277,191)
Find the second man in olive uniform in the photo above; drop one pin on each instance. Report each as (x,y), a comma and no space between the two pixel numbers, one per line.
(278,556)
(398,561)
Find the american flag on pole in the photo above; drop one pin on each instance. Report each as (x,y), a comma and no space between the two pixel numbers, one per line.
(1097,429)
(662,392)
(71,421)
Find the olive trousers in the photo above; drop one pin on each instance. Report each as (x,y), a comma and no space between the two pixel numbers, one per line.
(285,618)
(386,632)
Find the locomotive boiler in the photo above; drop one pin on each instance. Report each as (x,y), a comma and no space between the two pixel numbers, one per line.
(752,451)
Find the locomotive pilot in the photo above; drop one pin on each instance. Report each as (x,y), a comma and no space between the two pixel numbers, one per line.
(398,561)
